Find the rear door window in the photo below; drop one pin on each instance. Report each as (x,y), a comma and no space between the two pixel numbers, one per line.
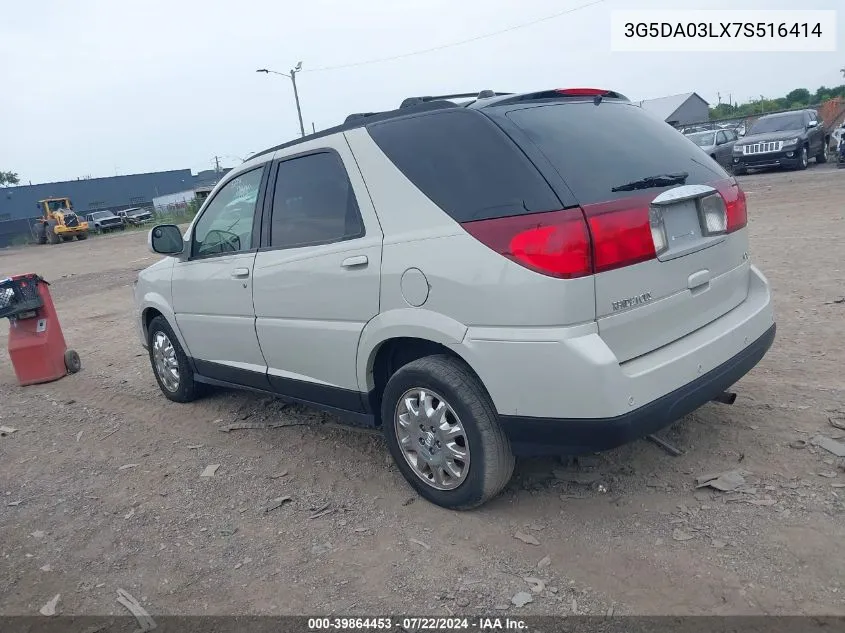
(313,203)
(465,164)
(597,149)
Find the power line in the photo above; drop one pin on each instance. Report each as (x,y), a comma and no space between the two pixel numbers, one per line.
(453,44)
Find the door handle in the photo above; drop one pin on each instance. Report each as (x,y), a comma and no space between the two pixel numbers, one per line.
(357,260)
(240,273)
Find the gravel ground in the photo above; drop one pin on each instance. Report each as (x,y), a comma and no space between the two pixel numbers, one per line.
(101,485)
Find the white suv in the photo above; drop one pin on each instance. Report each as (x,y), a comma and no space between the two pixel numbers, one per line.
(542,273)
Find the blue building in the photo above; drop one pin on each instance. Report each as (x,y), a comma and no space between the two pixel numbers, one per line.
(115,192)
(19,204)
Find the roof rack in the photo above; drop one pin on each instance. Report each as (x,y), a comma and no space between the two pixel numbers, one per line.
(483,94)
(413,105)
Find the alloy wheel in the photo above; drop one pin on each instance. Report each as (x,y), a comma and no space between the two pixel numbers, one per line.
(432,439)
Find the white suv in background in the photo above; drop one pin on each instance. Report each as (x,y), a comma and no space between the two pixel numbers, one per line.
(480,280)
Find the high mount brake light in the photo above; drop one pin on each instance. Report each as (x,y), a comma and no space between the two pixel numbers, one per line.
(583,92)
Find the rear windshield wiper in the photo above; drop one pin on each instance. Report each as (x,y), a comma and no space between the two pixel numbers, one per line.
(660,180)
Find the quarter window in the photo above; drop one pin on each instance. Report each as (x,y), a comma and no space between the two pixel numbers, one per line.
(313,203)
(226,224)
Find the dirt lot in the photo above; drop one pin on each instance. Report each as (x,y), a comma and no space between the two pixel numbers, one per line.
(101,486)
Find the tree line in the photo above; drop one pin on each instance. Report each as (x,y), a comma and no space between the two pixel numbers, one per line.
(8,178)
(798,98)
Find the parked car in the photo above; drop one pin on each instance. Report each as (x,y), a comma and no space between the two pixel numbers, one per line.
(479,281)
(787,139)
(104,221)
(718,143)
(136,216)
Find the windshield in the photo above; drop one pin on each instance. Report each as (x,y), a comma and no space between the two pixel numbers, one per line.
(622,149)
(136,212)
(56,205)
(100,215)
(702,139)
(778,124)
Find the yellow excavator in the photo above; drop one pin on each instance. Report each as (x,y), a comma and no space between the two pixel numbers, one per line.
(58,222)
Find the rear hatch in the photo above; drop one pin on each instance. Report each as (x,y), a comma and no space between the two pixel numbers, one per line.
(664,218)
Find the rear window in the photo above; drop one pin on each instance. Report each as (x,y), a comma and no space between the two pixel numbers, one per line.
(465,164)
(597,148)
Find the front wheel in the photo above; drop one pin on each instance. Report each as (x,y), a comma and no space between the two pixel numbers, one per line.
(822,156)
(803,161)
(82,236)
(170,363)
(443,433)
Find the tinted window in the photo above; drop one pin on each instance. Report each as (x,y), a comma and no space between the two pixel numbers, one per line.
(597,148)
(731,134)
(721,137)
(226,224)
(465,164)
(313,203)
(778,124)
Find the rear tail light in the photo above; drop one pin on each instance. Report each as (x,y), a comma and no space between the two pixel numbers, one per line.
(723,212)
(622,234)
(713,215)
(737,210)
(600,237)
(555,243)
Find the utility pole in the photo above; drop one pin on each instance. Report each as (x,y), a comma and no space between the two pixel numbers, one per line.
(296,97)
(217,165)
(292,76)
(719,97)
(313,128)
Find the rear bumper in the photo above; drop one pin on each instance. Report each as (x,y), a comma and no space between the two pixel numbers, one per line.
(548,436)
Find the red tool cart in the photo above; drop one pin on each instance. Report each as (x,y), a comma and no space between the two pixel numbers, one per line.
(36,343)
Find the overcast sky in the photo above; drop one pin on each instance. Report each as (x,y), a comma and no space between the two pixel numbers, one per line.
(98,87)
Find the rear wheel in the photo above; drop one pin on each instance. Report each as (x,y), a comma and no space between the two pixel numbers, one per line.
(82,236)
(170,363)
(443,433)
(822,156)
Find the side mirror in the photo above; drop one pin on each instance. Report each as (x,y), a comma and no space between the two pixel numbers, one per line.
(813,124)
(166,239)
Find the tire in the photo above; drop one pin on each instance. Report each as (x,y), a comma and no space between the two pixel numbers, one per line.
(81,236)
(72,362)
(42,234)
(822,156)
(98,230)
(489,463)
(803,161)
(52,236)
(184,389)
(122,227)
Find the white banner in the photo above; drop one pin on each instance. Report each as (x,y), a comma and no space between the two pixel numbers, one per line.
(766,31)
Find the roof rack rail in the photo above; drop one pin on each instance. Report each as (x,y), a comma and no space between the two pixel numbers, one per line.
(483,94)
